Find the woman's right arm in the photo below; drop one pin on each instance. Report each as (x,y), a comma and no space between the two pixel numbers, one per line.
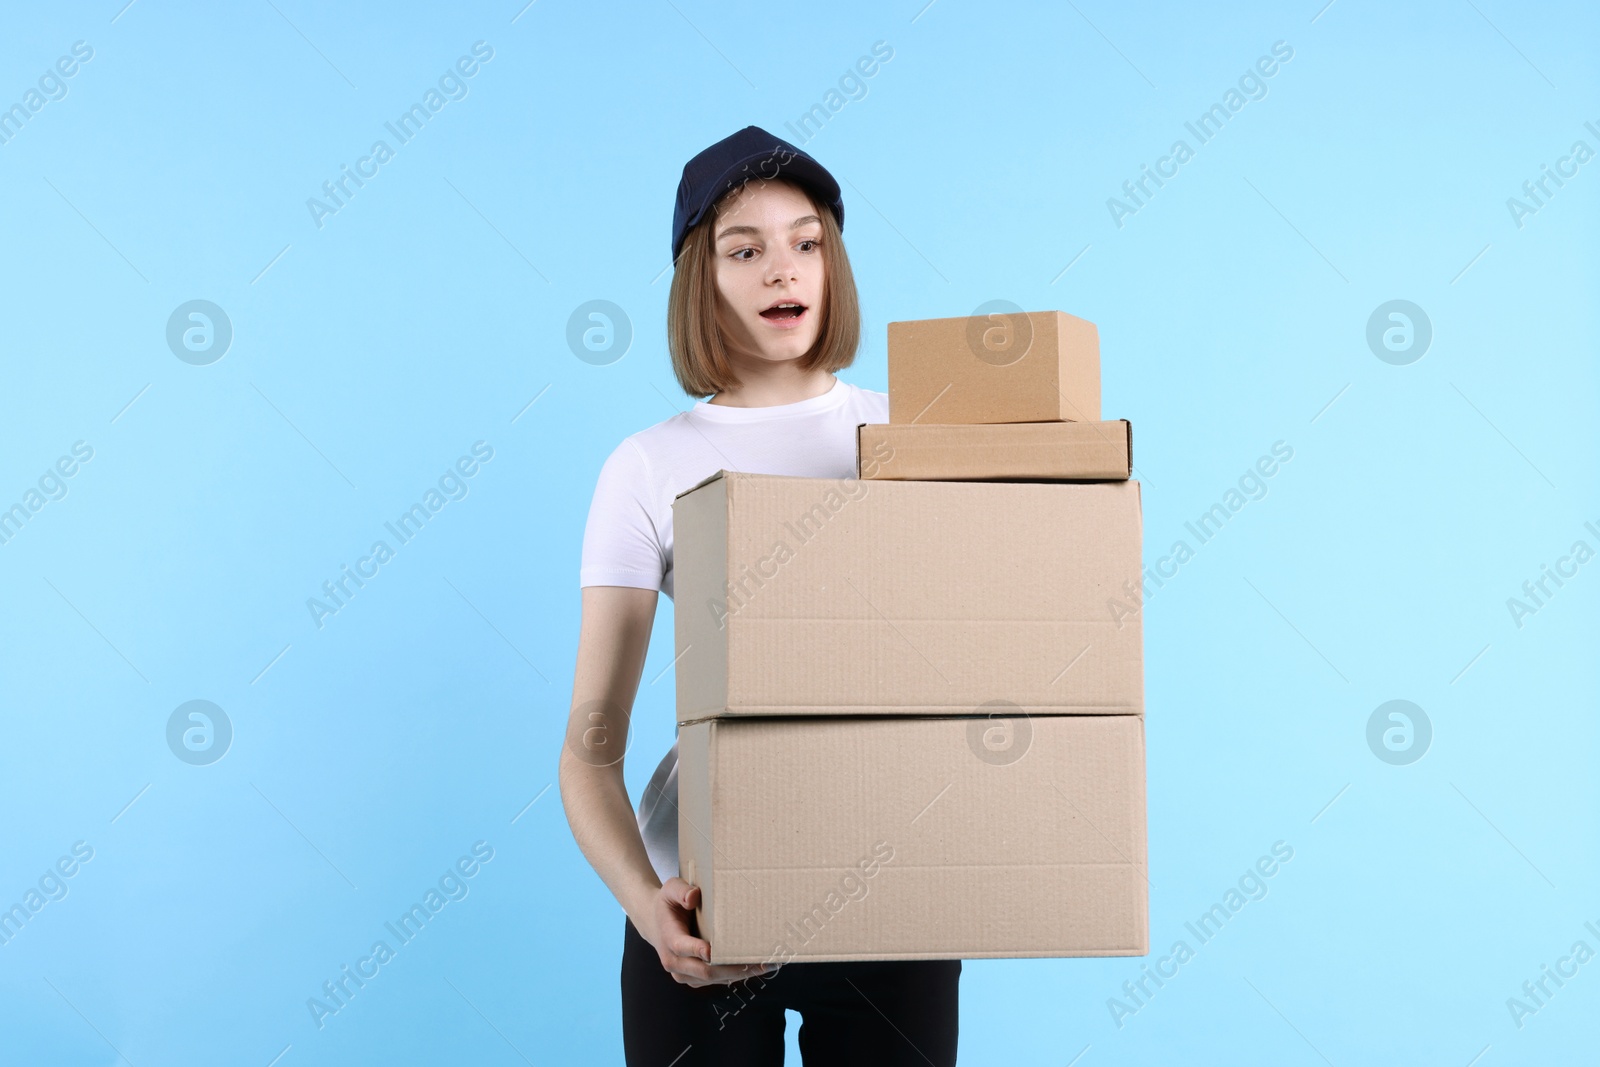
(612,641)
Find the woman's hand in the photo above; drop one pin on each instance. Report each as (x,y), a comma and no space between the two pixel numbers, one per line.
(683,955)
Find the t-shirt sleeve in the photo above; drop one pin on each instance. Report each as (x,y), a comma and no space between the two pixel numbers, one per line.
(620,543)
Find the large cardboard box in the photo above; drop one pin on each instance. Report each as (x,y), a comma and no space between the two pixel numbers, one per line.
(923,838)
(1043,451)
(1036,366)
(818,596)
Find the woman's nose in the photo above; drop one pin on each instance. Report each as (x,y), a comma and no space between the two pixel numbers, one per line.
(782,266)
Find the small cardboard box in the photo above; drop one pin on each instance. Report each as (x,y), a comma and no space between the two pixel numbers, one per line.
(821,596)
(924,838)
(1035,366)
(1012,451)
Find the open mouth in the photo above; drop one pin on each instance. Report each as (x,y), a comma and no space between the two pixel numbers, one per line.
(784,311)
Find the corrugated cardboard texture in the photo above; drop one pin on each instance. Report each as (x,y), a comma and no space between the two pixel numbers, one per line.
(694,810)
(700,572)
(942,371)
(1044,451)
(820,596)
(860,838)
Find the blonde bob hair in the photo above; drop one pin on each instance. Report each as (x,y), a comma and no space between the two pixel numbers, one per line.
(700,352)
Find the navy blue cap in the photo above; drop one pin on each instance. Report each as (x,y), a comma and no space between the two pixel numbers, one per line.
(732,161)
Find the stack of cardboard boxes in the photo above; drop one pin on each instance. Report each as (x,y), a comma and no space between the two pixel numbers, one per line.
(909,725)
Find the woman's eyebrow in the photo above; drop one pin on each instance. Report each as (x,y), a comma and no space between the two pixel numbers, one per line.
(795,225)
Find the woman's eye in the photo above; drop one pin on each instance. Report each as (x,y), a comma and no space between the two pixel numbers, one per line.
(808,245)
(744,254)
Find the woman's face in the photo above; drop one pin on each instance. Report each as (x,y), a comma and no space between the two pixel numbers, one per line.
(770,274)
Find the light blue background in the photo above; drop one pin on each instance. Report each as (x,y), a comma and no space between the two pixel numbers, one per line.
(429,312)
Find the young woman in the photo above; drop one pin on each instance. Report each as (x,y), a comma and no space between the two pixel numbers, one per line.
(762,311)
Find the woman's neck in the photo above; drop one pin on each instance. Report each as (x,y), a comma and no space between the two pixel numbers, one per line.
(770,390)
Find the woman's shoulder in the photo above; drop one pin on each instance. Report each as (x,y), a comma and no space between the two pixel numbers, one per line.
(659,437)
(644,454)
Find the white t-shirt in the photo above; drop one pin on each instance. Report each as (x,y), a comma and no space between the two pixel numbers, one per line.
(628,537)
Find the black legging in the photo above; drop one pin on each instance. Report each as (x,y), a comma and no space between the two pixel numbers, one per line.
(882,1013)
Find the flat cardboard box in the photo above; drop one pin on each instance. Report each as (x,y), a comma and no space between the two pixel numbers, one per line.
(1012,451)
(1036,366)
(926,838)
(821,596)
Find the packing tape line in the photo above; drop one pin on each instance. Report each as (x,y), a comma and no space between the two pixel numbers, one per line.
(1142,869)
